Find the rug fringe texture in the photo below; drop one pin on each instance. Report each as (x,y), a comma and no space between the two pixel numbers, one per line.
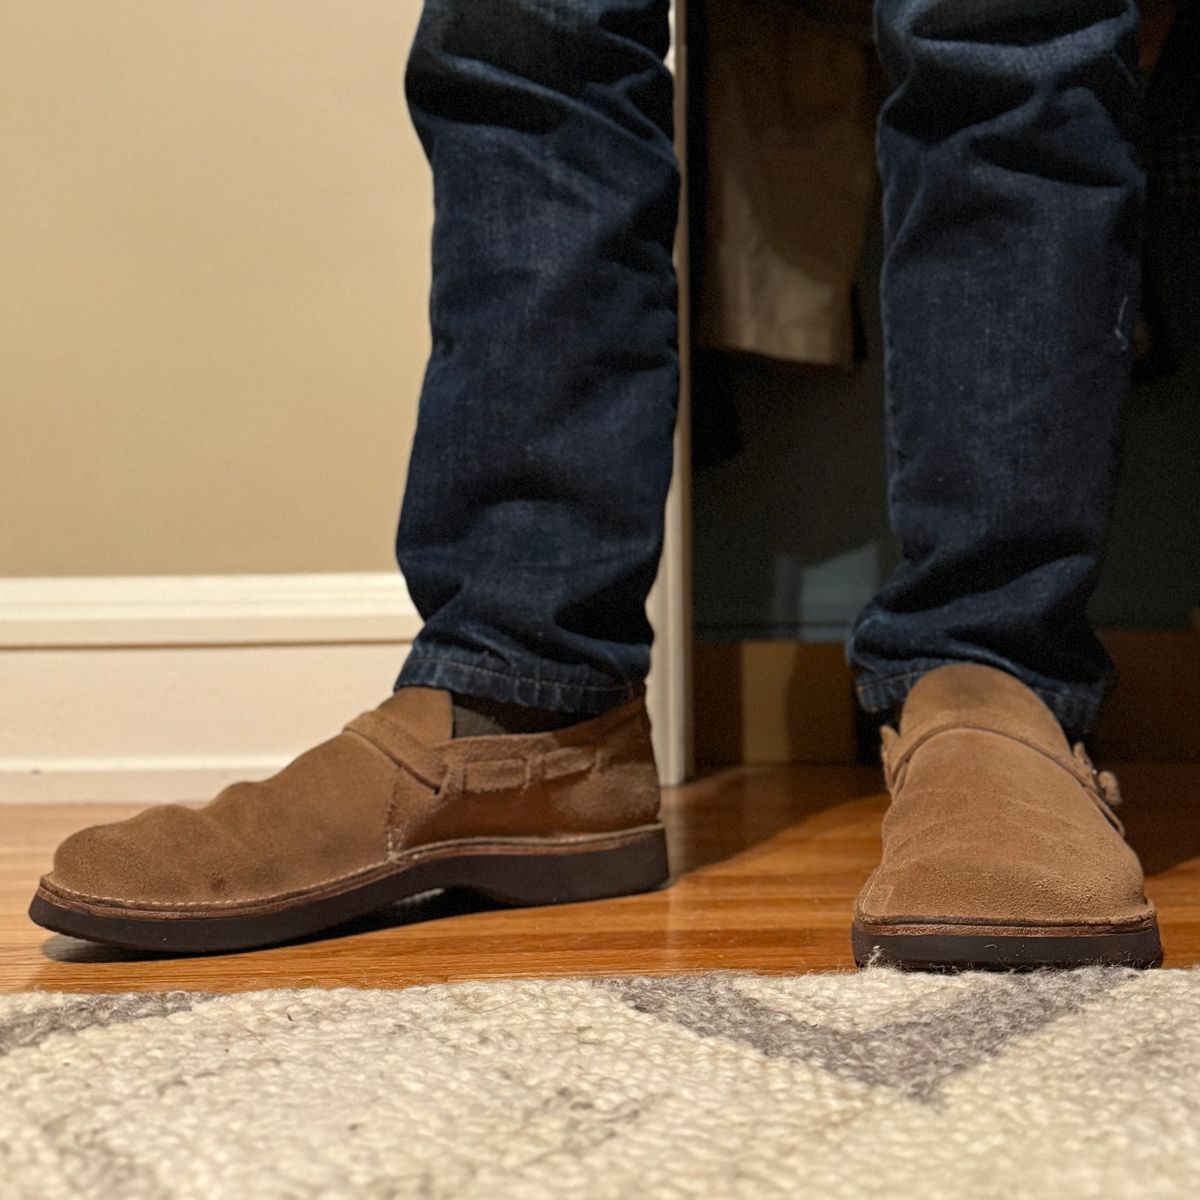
(878,1084)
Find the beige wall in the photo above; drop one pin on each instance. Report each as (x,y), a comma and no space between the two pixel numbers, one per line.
(214,222)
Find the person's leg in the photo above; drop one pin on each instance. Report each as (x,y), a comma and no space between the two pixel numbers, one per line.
(532,522)
(1012,203)
(530,533)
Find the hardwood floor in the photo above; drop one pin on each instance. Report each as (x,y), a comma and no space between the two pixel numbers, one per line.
(768,861)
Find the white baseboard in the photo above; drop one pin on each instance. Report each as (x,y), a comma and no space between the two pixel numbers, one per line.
(146,780)
(168,688)
(188,610)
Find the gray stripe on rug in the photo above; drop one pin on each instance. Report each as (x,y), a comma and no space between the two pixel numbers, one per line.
(973,1028)
(32,1028)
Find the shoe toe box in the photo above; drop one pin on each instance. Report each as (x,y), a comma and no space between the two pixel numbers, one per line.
(161,857)
(1009,876)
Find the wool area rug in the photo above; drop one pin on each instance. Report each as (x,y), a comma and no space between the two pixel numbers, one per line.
(876,1084)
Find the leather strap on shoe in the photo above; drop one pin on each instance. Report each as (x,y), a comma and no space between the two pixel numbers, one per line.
(456,771)
(405,750)
(1102,786)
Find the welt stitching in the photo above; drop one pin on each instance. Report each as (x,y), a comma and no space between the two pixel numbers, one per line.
(164,906)
(167,907)
(1130,924)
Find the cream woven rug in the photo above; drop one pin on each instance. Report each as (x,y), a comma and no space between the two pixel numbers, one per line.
(876,1084)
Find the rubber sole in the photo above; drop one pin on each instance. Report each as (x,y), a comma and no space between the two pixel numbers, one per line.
(997,950)
(519,872)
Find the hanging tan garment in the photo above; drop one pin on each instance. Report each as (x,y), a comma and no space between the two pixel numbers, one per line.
(791,101)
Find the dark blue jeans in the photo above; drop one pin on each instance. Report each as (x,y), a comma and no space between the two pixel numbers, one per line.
(532,521)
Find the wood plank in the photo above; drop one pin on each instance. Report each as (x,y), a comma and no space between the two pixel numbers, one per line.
(768,861)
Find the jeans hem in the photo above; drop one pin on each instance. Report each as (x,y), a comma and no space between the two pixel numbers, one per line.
(507,686)
(1074,710)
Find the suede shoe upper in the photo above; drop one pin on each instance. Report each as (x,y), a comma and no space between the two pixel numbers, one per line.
(995,819)
(393,780)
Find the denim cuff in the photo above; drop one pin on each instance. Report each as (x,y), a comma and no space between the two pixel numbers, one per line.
(1075,709)
(495,680)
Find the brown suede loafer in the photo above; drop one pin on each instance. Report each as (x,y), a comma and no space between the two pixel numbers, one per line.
(390,808)
(1000,848)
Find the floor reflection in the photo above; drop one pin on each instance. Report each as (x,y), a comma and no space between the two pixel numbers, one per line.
(731,811)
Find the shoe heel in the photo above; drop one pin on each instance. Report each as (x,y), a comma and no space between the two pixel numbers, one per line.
(569,873)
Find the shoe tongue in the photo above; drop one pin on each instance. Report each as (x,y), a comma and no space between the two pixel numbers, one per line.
(427,713)
(979,695)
